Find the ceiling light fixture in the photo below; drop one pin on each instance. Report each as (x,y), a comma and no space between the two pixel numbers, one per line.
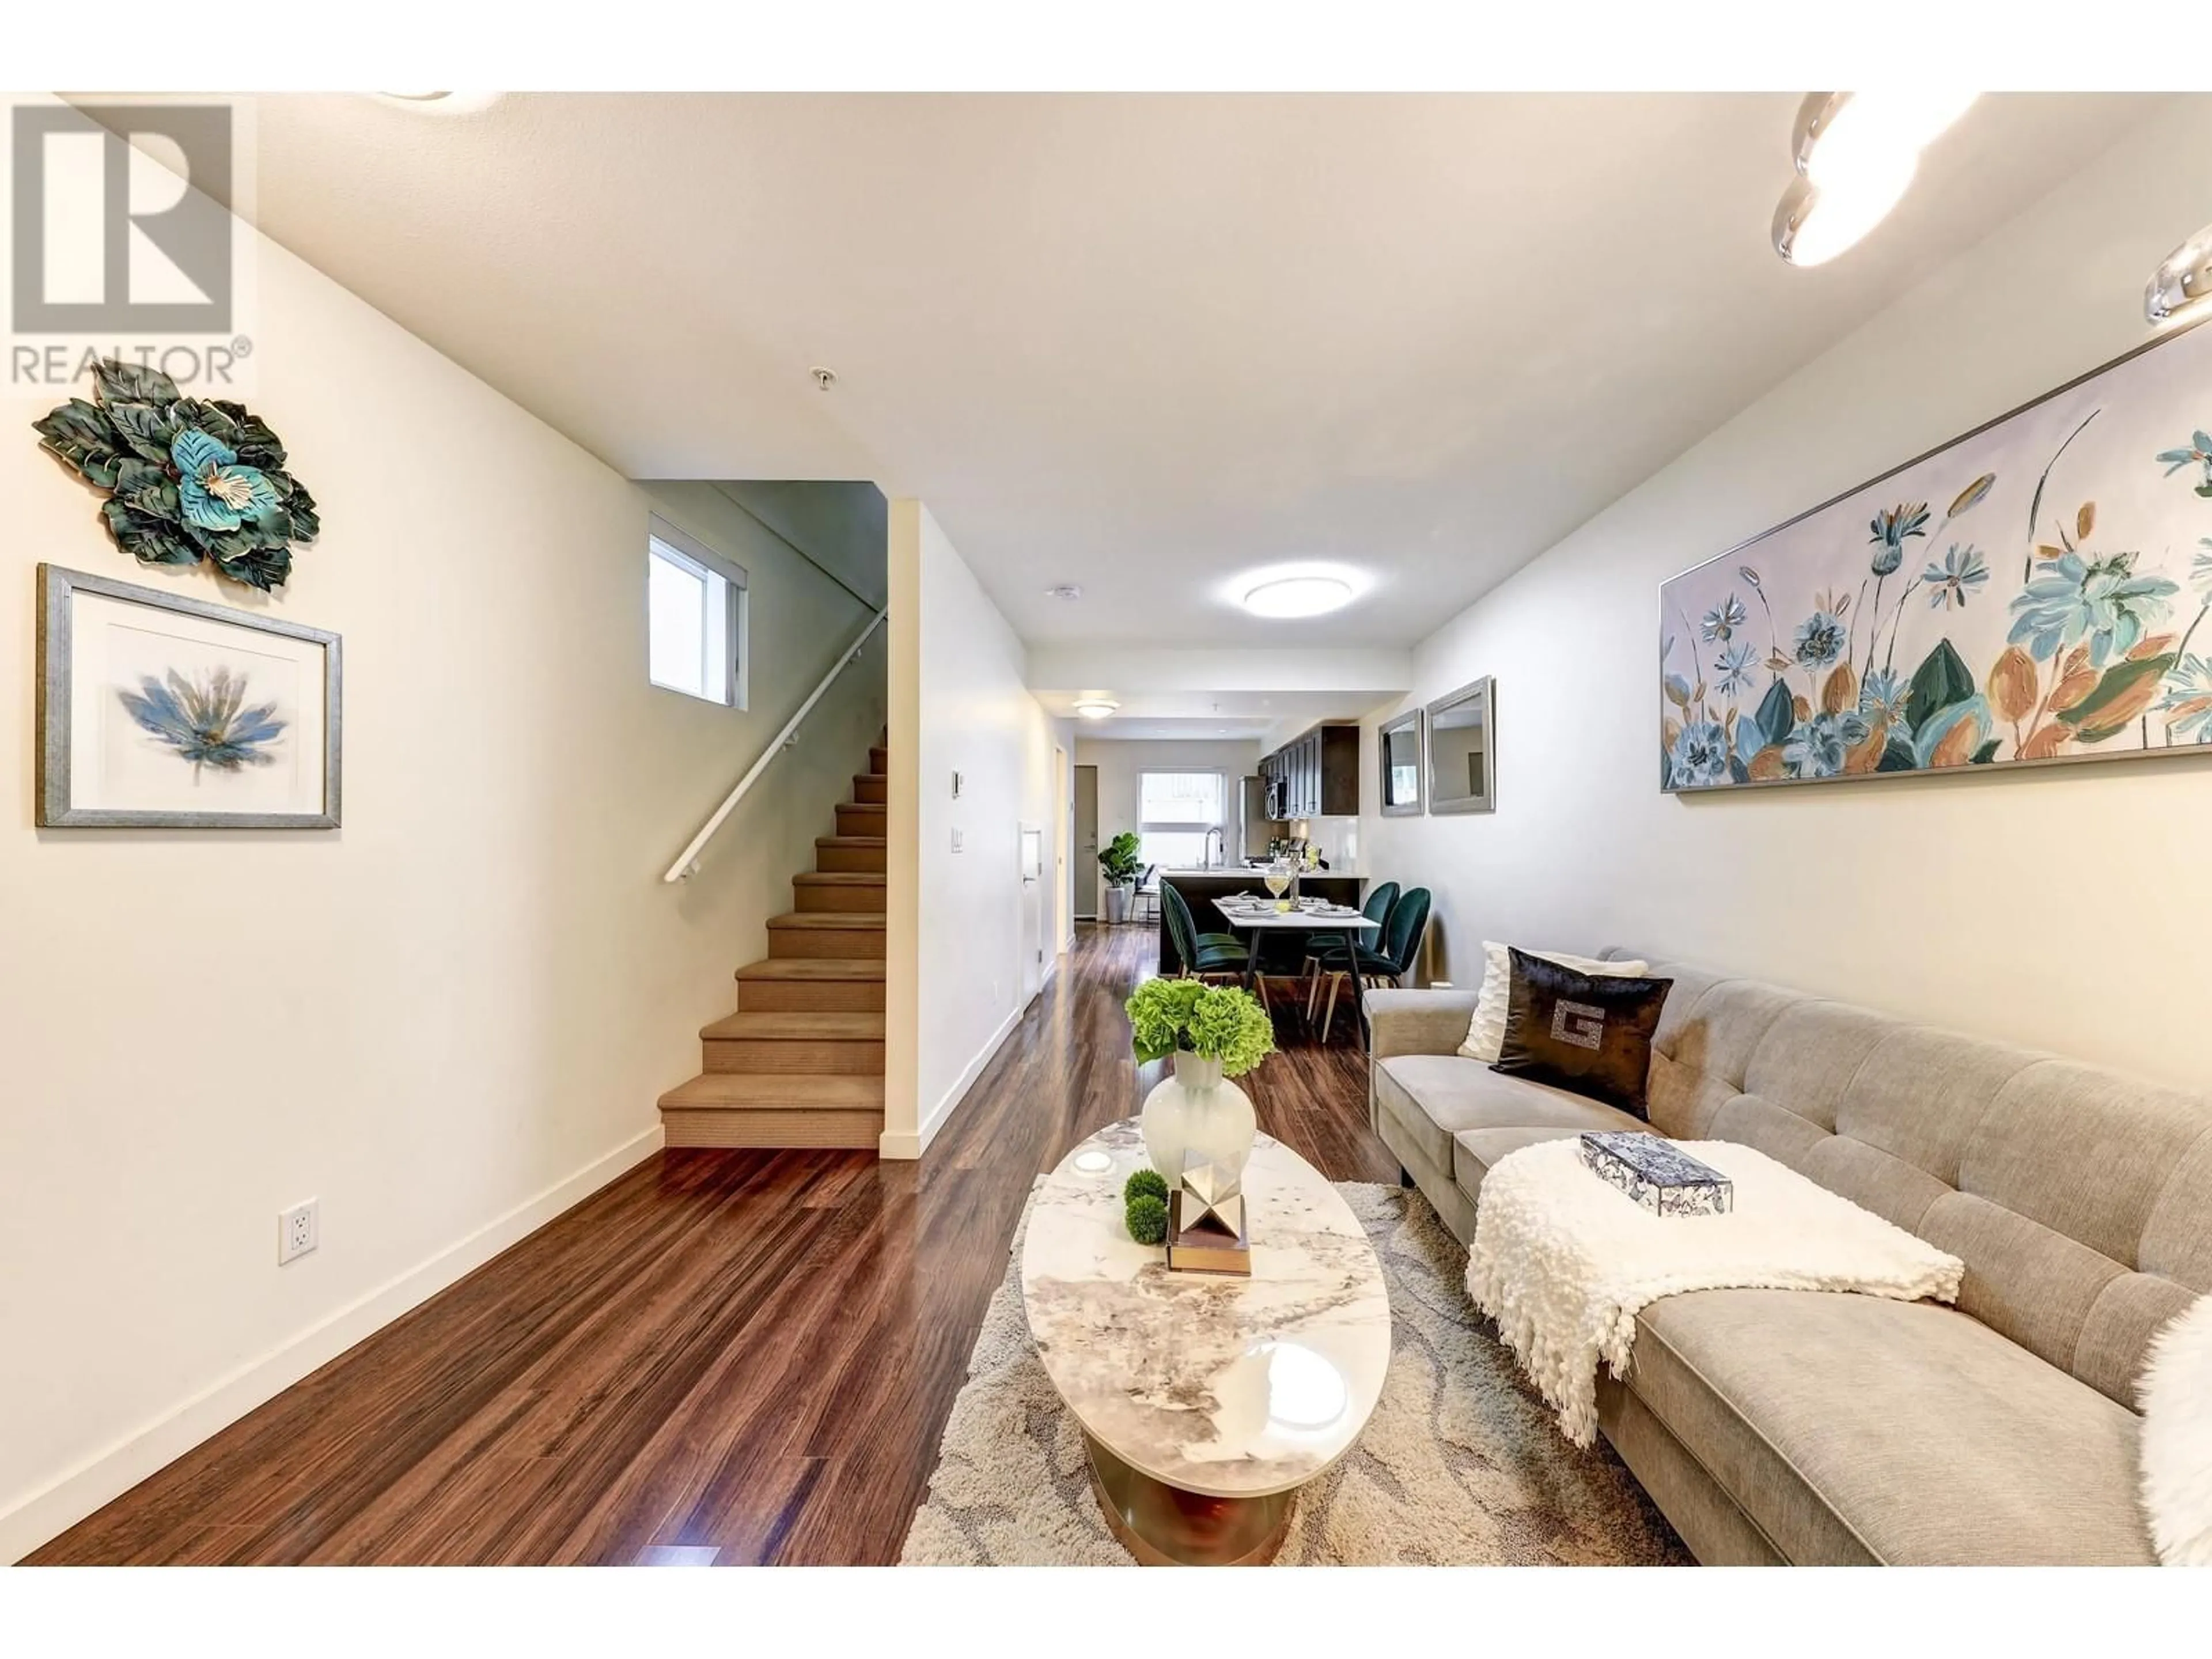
(1298,596)
(1094,709)
(1856,155)
(2183,283)
(1063,591)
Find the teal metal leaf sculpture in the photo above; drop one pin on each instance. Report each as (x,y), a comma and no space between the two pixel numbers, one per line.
(187,478)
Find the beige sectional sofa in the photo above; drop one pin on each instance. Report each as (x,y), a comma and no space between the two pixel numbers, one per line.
(1808,1427)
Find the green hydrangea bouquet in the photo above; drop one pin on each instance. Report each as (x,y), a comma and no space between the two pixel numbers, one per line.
(1213,1022)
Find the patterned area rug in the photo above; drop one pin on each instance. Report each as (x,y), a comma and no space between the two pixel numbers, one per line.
(1460,1465)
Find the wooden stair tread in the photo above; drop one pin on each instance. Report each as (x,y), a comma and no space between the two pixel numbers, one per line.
(840,879)
(831,920)
(812,967)
(795,1028)
(738,1091)
(852,840)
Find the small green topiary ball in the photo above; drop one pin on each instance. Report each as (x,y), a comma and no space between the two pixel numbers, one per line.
(1148,1218)
(1145,1181)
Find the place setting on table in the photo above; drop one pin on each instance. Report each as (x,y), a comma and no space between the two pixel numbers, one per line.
(1252,914)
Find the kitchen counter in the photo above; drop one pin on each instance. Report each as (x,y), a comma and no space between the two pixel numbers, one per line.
(1200,888)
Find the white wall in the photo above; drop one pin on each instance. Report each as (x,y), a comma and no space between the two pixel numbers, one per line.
(447,1020)
(1121,763)
(962,933)
(2068,908)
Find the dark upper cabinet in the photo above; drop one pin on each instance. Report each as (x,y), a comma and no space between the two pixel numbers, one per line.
(1316,775)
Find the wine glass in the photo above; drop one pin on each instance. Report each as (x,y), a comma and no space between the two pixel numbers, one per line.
(1279,879)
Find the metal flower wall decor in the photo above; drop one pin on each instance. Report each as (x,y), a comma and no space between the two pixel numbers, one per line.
(188,479)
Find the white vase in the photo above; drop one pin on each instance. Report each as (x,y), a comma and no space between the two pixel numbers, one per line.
(1193,1109)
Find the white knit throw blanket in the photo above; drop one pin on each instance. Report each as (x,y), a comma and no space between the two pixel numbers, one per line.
(2176,1438)
(1563,1263)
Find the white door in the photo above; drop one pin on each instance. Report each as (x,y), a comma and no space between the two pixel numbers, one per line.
(1032,842)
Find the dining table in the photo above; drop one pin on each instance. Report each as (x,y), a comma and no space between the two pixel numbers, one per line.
(1255,917)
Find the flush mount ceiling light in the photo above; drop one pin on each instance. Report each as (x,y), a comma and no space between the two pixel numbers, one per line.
(1063,591)
(1856,155)
(445,103)
(1094,709)
(2184,283)
(1298,596)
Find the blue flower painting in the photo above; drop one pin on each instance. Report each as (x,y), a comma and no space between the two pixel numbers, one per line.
(205,720)
(1887,632)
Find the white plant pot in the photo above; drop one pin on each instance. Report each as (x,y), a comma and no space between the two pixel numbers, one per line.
(1195,1109)
(1117,904)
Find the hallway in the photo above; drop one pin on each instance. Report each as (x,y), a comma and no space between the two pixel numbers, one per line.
(741,1357)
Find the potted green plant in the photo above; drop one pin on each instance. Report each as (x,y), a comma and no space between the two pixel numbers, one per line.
(1213,1033)
(1120,859)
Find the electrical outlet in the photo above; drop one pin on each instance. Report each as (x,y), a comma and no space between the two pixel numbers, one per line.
(959,840)
(299,1230)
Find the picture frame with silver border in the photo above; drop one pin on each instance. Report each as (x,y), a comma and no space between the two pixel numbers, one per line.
(112,757)
(1461,747)
(1401,760)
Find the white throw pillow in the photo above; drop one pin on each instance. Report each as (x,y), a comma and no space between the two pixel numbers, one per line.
(2175,1446)
(1485,1032)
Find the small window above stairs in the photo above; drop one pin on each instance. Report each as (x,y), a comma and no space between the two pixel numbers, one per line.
(800,1063)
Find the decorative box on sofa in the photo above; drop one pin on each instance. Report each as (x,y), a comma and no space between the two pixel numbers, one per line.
(1810,1427)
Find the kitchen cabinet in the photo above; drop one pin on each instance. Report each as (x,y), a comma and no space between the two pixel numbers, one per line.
(1315,775)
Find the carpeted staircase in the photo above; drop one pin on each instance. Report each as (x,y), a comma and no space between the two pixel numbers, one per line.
(801,1061)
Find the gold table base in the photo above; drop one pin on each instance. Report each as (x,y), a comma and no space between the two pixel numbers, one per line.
(1165,1525)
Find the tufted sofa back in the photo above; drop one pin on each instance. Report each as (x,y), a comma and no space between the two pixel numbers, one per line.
(2080,1200)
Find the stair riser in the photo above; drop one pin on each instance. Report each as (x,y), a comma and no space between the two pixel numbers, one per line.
(851,860)
(816,1059)
(863,901)
(771,996)
(685,1128)
(879,760)
(854,820)
(855,946)
(871,787)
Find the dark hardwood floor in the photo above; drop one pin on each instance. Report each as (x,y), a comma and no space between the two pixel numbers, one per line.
(745,1356)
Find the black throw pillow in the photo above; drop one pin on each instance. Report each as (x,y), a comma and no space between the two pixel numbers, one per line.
(1589,1034)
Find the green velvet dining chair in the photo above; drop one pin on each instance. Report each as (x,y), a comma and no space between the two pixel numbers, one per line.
(1203,956)
(1332,956)
(1403,933)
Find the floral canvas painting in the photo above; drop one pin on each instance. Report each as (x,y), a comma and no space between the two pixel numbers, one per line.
(2034,592)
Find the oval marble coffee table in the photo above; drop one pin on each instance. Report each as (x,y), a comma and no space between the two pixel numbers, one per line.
(1207,1400)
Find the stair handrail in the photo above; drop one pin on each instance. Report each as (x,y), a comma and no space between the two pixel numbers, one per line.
(686,862)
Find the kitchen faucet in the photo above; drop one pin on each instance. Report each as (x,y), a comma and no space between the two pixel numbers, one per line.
(1206,858)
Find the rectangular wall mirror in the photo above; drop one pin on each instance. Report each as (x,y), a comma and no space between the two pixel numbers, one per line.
(1462,750)
(1399,742)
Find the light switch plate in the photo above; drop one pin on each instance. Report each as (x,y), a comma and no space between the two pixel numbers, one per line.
(959,840)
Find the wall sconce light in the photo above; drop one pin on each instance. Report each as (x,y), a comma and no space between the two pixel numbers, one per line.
(2183,283)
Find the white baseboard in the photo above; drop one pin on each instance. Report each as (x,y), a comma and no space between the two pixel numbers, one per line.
(893,1146)
(32,1520)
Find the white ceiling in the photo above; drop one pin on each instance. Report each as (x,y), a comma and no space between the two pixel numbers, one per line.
(1146,342)
(1208,715)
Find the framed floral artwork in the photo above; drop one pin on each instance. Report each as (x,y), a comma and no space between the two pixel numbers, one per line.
(2035,591)
(161,712)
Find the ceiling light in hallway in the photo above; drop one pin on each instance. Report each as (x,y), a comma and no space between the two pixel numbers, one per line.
(1094,709)
(1856,155)
(1063,591)
(1298,596)
(2183,283)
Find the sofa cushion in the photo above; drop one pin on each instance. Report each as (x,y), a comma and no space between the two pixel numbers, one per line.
(1476,1152)
(1981,1453)
(1431,1098)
